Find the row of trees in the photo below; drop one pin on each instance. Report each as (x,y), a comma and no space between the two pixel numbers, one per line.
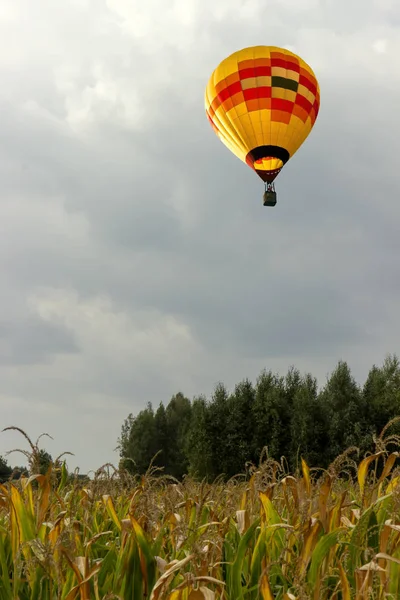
(287,414)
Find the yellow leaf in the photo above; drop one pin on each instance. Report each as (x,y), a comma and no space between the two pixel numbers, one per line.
(392,485)
(243,500)
(363,468)
(391,459)
(271,515)
(335,513)
(384,536)
(306,475)
(291,482)
(346,594)
(308,547)
(111,510)
(22,522)
(265,588)
(323,502)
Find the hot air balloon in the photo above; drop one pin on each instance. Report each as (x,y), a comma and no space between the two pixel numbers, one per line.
(262,103)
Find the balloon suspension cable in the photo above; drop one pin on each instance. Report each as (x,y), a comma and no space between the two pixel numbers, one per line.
(269,187)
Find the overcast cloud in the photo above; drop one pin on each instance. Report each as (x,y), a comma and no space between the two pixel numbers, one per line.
(136,257)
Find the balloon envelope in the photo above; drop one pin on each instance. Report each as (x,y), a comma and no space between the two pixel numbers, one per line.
(262,102)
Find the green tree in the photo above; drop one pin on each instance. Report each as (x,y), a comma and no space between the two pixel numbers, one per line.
(308,426)
(197,444)
(123,443)
(381,393)
(218,415)
(161,439)
(5,470)
(137,444)
(266,415)
(289,388)
(238,436)
(345,408)
(286,414)
(178,414)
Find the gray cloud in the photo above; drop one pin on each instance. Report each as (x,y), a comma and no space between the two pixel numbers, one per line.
(30,341)
(136,257)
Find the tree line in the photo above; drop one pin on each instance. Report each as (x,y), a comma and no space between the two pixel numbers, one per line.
(283,415)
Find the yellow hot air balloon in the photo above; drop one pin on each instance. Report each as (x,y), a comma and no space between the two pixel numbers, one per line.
(262,103)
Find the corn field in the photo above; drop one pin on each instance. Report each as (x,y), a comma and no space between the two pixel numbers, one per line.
(270,535)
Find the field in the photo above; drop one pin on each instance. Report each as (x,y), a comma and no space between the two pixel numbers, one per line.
(267,535)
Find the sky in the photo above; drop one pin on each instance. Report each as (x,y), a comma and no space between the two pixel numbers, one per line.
(136,257)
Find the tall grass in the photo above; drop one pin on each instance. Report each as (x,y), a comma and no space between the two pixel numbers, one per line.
(314,535)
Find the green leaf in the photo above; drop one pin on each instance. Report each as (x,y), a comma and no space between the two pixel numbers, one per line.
(237,567)
(321,550)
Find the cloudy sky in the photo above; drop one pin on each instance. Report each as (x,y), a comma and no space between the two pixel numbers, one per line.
(136,257)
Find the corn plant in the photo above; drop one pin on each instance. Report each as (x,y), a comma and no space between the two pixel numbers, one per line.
(331,535)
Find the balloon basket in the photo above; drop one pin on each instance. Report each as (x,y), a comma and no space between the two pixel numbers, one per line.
(269,198)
